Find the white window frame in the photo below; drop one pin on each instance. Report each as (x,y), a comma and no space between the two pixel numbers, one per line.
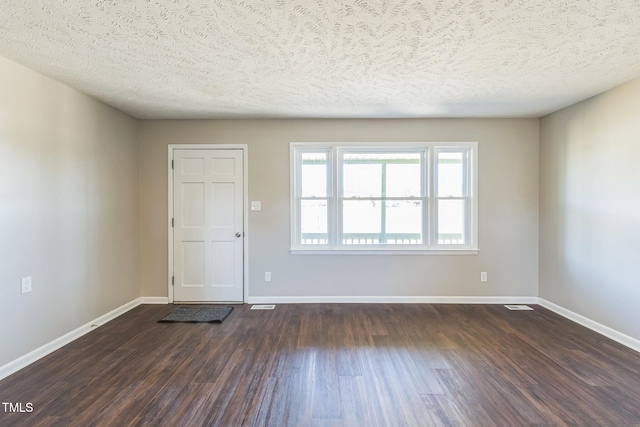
(429,198)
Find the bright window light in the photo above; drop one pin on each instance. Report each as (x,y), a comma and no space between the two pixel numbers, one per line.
(392,197)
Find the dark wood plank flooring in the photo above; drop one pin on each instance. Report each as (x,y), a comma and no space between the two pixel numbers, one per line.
(334,365)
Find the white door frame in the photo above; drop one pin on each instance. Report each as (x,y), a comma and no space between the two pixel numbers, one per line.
(245,210)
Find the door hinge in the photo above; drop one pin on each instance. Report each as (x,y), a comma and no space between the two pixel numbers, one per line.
(172,222)
(171,164)
(173,280)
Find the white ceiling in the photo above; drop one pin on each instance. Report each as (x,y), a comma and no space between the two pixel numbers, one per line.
(332,58)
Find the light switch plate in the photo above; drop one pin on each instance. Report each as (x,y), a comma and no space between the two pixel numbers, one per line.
(25,285)
(256,206)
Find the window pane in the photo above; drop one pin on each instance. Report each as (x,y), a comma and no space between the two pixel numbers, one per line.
(361,179)
(314,175)
(403,179)
(381,174)
(404,222)
(450,174)
(451,222)
(313,222)
(361,222)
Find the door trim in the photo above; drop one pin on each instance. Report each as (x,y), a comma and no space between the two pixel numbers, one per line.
(245,210)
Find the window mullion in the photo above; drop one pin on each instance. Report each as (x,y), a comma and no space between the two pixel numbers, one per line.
(298,198)
(424,194)
(433,201)
(383,203)
(467,194)
(336,197)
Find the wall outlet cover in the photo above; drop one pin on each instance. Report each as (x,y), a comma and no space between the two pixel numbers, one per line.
(25,285)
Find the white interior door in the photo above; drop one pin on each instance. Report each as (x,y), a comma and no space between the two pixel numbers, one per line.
(208,235)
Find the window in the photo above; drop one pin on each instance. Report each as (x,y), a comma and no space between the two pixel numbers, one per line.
(390,198)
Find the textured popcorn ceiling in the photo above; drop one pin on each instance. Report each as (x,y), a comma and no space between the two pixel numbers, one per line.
(340,58)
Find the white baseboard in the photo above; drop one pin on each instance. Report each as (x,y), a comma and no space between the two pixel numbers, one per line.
(608,332)
(391,300)
(54,345)
(154,300)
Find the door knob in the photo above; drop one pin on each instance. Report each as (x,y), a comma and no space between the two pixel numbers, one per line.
(238,234)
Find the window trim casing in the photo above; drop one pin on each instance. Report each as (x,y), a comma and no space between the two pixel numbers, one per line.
(334,149)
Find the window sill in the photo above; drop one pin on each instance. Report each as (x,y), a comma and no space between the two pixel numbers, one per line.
(376,251)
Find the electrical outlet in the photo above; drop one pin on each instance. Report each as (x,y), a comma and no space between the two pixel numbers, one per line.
(256,205)
(25,285)
(483,276)
(267,276)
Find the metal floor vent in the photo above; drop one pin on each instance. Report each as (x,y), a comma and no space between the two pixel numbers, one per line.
(263,307)
(518,307)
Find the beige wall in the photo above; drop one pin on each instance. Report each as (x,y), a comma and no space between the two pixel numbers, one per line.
(508,209)
(589,208)
(68,209)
